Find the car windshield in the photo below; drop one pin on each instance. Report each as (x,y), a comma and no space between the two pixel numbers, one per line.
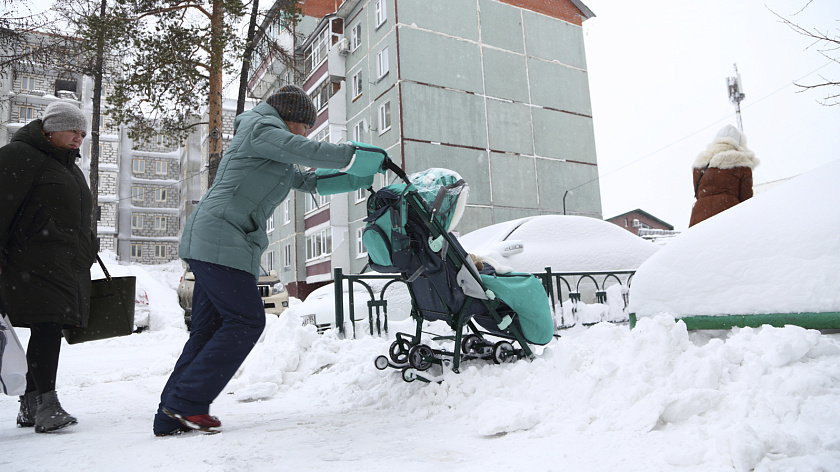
(263,272)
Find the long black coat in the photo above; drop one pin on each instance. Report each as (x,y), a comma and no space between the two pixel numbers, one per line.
(47,256)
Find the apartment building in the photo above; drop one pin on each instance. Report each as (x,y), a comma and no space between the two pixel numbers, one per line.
(138,182)
(496,90)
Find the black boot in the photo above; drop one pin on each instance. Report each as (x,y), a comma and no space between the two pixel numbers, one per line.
(28,408)
(51,416)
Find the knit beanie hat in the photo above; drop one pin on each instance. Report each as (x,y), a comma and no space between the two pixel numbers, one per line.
(63,116)
(294,105)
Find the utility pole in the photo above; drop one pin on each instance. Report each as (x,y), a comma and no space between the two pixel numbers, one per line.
(736,94)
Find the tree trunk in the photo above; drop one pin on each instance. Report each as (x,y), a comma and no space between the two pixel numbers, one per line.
(215,106)
(94,126)
(248,56)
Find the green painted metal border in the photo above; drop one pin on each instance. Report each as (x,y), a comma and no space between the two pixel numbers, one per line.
(825,320)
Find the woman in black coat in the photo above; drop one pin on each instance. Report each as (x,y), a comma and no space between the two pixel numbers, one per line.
(46,249)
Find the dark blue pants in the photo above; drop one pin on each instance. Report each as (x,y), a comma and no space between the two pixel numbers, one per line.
(227,319)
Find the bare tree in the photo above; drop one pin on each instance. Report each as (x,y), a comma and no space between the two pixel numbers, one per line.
(829,47)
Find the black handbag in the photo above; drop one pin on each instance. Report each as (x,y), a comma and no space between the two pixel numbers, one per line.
(111,309)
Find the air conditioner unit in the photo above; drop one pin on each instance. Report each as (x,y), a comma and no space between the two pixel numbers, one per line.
(344,47)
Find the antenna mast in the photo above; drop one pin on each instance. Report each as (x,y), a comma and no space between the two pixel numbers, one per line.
(736,94)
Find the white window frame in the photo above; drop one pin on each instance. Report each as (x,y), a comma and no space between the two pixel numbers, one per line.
(162,141)
(136,221)
(361,250)
(319,244)
(320,200)
(382,63)
(138,194)
(160,251)
(28,82)
(26,114)
(160,194)
(358,85)
(358,130)
(287,255)
(269,224)
(136,251)
(380,14)
(356,36)
(322,135)
(384,117)
(161,167)
(287,214)
(361,195)
(160,223)
(138,166)
(269,260)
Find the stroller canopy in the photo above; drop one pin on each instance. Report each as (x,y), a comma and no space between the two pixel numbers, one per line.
(444,192)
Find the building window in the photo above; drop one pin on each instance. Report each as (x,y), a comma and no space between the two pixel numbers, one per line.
(316,52)
(382,63)
(323,135)
(138,166)
(316,201)
(361,195)
(356,37)
(357,84)
(384,117)
(162,141)
(27,82)
(161,167)
(160,251)
(287,256)
(287,213)
(136,221)
(360,246)
(321,95)
(319,244)
(269,224)
(379,12)
(160,223)
(137,194)
(136,251)
(358,129)
(160,194)
(26,114)
(269,260)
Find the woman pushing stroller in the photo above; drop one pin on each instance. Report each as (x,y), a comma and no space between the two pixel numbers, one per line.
(225,236)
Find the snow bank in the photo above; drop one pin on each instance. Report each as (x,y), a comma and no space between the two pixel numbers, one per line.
(775,253)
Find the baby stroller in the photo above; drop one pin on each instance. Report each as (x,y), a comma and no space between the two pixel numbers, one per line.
(493,316)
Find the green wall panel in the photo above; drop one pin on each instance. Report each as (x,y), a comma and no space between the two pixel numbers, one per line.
(501,26)
(555,177)
(554,40)
(513,180)
(440,60)
(510,127)
(454,18)
(445,116)
(470,164)
(475,218)
(563,135)
(500,215)
(557,86)
(505,75)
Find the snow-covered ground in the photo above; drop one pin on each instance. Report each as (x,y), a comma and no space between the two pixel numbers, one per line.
(657,398)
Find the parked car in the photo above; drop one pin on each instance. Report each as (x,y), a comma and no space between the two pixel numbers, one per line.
(274,294)
(319,307)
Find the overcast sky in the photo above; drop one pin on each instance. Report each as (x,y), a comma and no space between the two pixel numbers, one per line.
(657,74)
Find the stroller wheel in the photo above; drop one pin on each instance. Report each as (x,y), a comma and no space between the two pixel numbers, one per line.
(408,375)
(381,362)
(469,343)
(399,351)
(503,352)
(418,357)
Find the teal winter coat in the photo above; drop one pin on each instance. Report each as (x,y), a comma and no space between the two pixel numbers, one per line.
(255,175)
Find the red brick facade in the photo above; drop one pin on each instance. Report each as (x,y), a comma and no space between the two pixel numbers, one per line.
(560,9)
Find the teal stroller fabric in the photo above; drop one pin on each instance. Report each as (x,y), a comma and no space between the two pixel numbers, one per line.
(526,295)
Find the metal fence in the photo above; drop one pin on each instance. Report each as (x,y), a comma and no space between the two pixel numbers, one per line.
(571,286)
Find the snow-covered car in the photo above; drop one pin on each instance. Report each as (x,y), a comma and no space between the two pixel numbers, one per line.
(319,307)
(141,308)
(274,294)
(564,243)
